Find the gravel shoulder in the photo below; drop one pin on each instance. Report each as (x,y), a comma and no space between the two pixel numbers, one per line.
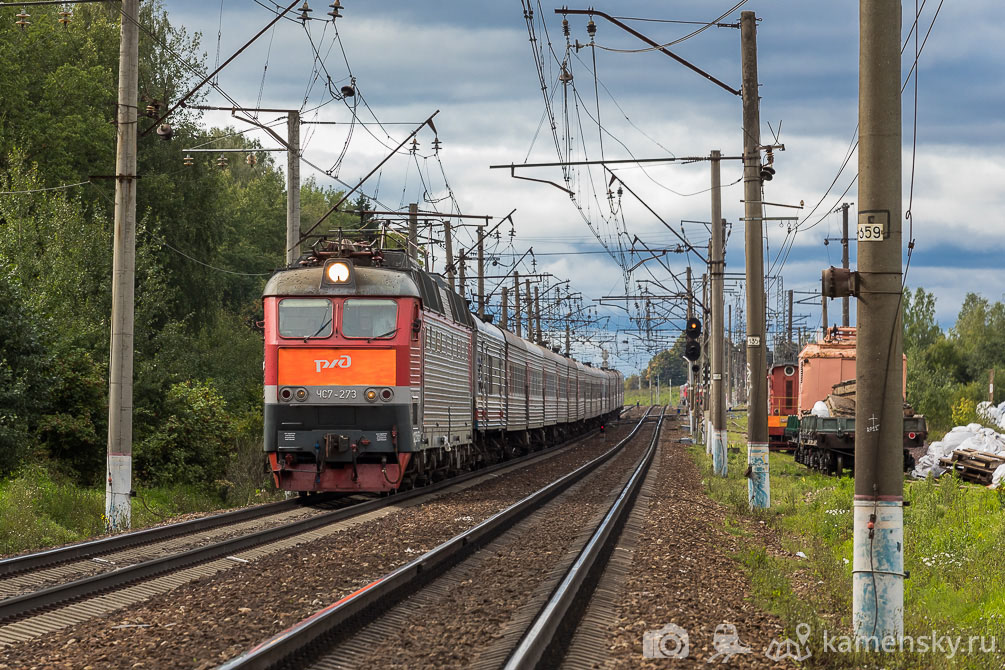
(683,572)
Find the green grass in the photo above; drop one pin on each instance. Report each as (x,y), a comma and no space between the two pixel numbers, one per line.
(954,541)
(642,396)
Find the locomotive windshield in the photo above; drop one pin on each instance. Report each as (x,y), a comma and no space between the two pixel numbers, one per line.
(369,318)
(305,317)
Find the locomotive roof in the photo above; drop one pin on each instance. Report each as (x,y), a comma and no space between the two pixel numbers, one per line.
(369,281)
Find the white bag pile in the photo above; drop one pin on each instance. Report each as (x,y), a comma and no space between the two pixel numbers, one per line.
(972,436)
(991,413)
(820,409)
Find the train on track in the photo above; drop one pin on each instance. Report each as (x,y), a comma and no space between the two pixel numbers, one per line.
(825,372)
(379,378)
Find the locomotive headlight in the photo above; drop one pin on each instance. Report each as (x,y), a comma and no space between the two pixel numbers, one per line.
(337,272)
(301,394)
(371,394)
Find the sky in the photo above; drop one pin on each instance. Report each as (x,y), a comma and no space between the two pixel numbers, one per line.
(474,62)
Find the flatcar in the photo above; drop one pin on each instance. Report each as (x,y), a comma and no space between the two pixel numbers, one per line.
(378,378)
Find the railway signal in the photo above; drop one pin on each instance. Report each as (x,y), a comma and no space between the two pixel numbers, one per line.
(692,345)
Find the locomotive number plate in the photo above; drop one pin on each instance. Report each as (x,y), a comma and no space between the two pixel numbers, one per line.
(873,225)
(341,394)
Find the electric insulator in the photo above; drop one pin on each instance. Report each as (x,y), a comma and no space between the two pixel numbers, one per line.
(591,28)
(188,161)
(565,27)
(251,160)
(22,20)
(566,76)
(65,17)
(334,13)
(151,111)
(348,91)
(437,144)
(221,162)
(305,11)
(415,146)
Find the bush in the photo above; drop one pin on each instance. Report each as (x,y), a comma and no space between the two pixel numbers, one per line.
(191,442)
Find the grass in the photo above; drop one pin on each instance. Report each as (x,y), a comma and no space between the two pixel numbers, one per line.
(954,536)
(40,508)
(642,396)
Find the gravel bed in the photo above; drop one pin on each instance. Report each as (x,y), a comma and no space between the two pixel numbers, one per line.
(203,623)
(515,572)
(683,573)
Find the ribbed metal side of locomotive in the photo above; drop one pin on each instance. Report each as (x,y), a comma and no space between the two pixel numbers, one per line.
(342,375)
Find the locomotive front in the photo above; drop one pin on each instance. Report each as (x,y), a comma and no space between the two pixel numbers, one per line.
(340,334)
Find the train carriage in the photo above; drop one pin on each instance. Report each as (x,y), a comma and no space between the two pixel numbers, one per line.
(489,372)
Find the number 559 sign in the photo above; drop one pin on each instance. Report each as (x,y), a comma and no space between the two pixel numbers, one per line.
(873,225)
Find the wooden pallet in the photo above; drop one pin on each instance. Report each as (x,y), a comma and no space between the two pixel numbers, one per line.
(973,465)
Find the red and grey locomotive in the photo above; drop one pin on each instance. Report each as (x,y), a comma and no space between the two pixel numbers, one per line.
(377,377)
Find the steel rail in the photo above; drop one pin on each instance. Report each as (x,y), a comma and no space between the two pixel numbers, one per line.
(543,643)
(379,596)
(18,606)
(16,564)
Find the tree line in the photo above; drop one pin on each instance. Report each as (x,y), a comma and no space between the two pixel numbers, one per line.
(206,241)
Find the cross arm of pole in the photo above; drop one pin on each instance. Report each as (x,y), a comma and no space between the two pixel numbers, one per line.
(656,45)
(225,63)
(512,173)
(345,197)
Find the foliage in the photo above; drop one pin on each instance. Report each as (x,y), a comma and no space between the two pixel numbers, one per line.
(192,443)
(22,374)
(947,373)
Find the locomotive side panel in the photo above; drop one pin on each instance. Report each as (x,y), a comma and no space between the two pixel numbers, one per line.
(446,384)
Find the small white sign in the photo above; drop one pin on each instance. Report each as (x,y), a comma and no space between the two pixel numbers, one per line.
(753,340)
(873,225)
(717,377)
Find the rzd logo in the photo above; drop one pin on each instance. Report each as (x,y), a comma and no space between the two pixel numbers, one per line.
(341,362)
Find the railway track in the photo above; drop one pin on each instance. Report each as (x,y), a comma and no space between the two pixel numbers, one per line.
(24,574)
(399,609)
(41,611)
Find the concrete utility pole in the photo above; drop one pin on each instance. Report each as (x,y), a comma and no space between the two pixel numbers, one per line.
(516,303)
(823,314)
(703,362)
(788,330)
(413,230)
(504,316)
(119,477)
(481,273)
(530,309)
(845,301)
(717,266)
(878,568)
(537,314)
(292,187)
(460,268)
(690,364)
(758,482)
(448,242)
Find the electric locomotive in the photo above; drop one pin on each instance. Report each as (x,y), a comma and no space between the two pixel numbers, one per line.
(377,377)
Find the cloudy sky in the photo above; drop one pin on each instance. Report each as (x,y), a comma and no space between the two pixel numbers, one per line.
(474,62)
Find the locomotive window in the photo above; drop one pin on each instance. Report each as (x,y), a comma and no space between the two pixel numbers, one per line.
(305,317)
(369,318)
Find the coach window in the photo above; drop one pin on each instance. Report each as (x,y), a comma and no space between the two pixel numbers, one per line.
(305,317)
(369,318)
